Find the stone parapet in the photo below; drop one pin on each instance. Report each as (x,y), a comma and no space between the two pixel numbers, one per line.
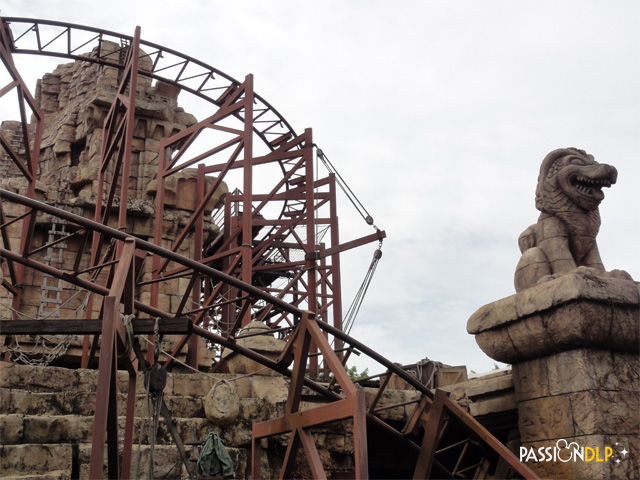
(578,310)
(573,343)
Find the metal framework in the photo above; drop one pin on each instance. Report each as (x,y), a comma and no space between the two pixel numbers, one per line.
(265,235)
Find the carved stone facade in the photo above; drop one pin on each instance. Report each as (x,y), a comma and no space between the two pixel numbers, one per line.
(76,98)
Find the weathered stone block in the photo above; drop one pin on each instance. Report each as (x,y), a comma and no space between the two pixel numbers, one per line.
(490,386)
(576,322)
(388,398)
(35,459)
(193,431)
(499,343)
(184,118)
(39,379)
(243,386)
(529,336)
(166,462)
(191,385)
(57,429)
(492,315)
(183,406)
(601,412)
(164,301)
(256,336)
(493,404)
(577,310)
(11,429)
(545,418)
(276,389)
(60,147)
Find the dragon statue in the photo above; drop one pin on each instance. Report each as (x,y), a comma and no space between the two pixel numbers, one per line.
(568,194)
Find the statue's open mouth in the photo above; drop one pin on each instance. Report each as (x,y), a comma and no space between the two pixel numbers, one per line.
(590,186)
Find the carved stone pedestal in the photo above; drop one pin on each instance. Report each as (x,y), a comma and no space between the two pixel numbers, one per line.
(574,344)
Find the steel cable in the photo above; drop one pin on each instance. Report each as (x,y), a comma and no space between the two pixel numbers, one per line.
(346,189)
(359,297)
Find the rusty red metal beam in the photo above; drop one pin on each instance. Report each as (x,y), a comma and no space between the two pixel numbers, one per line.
(90,326)
(298,422)
(143,245)
(106,411)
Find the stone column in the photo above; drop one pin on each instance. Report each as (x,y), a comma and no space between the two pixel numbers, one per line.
(573,343)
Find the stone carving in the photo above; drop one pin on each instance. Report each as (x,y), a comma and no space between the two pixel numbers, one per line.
(568,194)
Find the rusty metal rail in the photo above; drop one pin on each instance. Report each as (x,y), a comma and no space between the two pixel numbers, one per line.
(31,36)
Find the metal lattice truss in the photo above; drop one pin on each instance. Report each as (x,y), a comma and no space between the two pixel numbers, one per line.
(275,258)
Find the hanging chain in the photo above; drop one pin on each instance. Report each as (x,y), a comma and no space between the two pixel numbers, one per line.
(156,340)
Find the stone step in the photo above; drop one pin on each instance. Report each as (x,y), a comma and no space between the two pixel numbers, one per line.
(37,460)
(79,381)
(54,475)
(73,429)
(23,402)
(65,461)
(166,461)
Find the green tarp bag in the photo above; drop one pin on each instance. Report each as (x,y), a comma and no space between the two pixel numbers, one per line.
(214,458)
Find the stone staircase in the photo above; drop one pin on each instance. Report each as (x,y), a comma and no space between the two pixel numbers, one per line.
(46,418)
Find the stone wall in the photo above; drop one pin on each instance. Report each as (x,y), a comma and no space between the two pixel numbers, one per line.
(47,415)
(587,397)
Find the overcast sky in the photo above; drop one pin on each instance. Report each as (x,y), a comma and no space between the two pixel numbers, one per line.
(438,114)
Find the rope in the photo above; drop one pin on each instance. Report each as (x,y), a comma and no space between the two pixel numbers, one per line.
(156,402)
(41,354)
(156,340)
(127,320)
(359,297)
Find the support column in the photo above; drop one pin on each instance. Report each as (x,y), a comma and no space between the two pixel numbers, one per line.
(573,343)
(246,247)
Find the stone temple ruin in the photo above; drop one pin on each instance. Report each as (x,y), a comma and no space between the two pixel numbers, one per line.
(168,280)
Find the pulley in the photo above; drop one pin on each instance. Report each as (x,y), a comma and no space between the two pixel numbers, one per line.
(156,378)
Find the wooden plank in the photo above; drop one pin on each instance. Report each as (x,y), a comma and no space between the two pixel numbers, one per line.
(90,326)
